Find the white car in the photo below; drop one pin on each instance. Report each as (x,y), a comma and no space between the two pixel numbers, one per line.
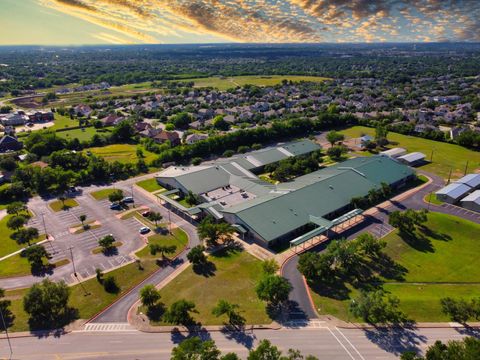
(144,230)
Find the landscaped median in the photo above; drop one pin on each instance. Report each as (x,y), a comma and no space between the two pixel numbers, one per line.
(439,261)
(102,194)
(59,205)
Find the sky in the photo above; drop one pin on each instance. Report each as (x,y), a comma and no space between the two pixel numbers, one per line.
(79,22)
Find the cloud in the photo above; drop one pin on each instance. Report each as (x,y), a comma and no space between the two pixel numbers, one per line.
(279,20)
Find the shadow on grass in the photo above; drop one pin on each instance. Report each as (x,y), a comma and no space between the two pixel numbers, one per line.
(45,323)
(417,241)
(334,290)
(434,235)
(206,269)
(155,312)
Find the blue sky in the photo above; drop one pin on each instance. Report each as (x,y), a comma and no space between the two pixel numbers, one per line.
(73,22)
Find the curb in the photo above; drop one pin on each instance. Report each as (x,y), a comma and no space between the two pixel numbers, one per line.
(211,328)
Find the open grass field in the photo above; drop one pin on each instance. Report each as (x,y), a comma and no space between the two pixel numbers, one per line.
(440,262)
(8,245)
(234,279)
(14,266)
(58,205)
(124,153)
(151,185)
(445,156)
(63,122)
(224,83)
(102,194)
(82,134)
(97,298)
(178,238)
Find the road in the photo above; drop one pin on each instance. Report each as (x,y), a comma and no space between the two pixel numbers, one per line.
(378,226)
(323,342)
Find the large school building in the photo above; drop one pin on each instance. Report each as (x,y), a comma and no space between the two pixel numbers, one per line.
(307,206)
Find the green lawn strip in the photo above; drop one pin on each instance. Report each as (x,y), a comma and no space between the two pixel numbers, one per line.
(97,298)
(150,185)
(445,156)
(99,249)
(124,153)
(102,194)
(81,228)
(422,302)
(178,238)
(63,122)
(446,253)
(8,245)
(432,199)
(58,205)
(14,266)
(82,134)
(235,278)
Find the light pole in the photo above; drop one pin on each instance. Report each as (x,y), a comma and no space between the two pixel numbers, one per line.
(6,333)
(73,262)
(46,234)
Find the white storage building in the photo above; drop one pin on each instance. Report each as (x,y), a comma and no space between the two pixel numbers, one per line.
(472,201)
(412,159)
(453,192)
(395,152)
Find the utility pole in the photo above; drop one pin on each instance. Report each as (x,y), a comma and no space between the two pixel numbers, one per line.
(169,222)
(6,333)
(466,168)
(431,156)
(46,234)
(73,262)
(449,176)
(131,190)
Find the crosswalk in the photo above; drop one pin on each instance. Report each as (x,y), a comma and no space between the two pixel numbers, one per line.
(305,324)
(108,327)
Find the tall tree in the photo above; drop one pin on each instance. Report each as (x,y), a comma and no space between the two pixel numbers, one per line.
(224,307)
(149,295)
(273,289)
(179,313)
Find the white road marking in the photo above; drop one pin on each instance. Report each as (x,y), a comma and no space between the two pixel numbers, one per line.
(338,340)
(354,348)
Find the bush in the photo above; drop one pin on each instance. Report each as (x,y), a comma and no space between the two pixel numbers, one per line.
(110,285)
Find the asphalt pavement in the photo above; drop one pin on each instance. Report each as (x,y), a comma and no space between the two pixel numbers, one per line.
(320,341)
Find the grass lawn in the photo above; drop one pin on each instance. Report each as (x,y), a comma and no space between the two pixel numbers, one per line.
(82,134)
(58,205)
(178,238)
(14,266)
(124,153)
(231,82)
(97,298)
(432,199)
(445,251)
(8,245)
(150,185)
(235,277)
(445,156)
(63,122)
(102,194)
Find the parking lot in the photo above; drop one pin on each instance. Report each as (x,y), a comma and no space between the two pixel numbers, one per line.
(79,246)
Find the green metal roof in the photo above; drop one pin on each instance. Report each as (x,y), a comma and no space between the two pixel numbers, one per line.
(317,194)
(300,147)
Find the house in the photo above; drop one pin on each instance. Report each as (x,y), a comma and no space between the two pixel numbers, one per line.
(193,138)
(365,140)
(9,143)
(142,126)
(111,120)
(40,116)
(164,136)
(14,119)
(83,110)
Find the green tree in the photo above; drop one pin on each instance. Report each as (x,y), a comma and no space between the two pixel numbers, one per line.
(336,152)
(155,217)
(191,198)
(369,245)
(273,289)
(179,313)
(47,305)
(334,137)
(149,295)
(25,235)
(82,218)
(270,266)
(107,243)
(265,351)
(376,307)
(116,196)
(197,256)
(212,232)
(110,285)
(195,349)
(123,131)
(5,311)
(224,307)
(458,310)
(35,255)
(162,249)
(16,207)
(16,222)
(381,133)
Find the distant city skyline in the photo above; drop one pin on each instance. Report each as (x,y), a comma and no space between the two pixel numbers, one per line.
(79,22)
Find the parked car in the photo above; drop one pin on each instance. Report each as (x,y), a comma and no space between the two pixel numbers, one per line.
(115,206)
(146,213)
(128,199)
(144,230)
